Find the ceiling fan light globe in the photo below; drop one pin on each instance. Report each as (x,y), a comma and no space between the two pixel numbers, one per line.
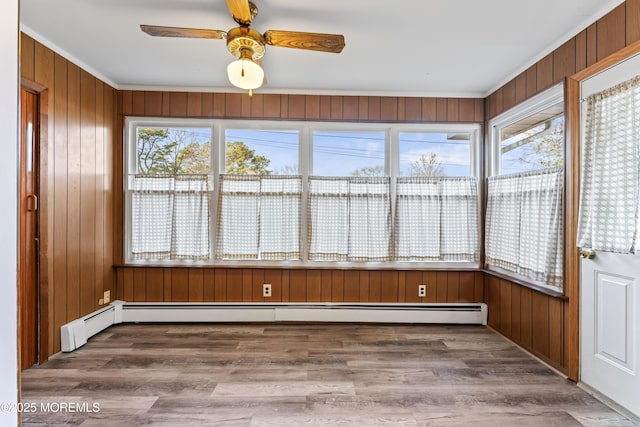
(251,78)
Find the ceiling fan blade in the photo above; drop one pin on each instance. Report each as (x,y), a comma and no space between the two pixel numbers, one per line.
(195,33)
(240,11)
(333,43)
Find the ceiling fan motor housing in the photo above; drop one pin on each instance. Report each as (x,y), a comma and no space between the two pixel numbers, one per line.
(244,38)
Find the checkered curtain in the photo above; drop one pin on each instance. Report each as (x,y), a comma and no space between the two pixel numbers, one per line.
(170,217)
(349,219)
(437,219)
(259,217)
(524,224)
(610,181)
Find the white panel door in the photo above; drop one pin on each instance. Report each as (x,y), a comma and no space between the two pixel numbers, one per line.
(610,327)
(610,298)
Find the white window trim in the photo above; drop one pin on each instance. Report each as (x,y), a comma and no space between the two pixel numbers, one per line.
(539,102)
(536,103)
(129,154)
(305,154)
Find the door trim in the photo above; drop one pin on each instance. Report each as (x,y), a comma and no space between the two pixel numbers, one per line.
(44,297)
(572,195)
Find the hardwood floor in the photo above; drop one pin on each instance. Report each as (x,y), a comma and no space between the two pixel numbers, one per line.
(304,375)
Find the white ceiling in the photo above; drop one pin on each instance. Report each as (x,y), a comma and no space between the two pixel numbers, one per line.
(401,47)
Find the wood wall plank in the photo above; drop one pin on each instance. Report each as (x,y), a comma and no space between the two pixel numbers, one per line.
(516,313)
(632,15)
(540,324)
(509,95)
(350,108)
(312,107)
(27,57)
(154,285)
(564,60)
(581,50)
(351,288)
(493,301)
(556,330)
(375,286)
(429,109)
(545,72)
(453,286)
(194,104)
(59,200)
(314,286)
(139,284)
(526,317)
(196,285)
(87,201)
(298,286)
(441,287)
(180,284)
(592,44)
(297,105)
(611,34)
(74,170)
(466,286)
(220,285)
(137,103)
(178,104)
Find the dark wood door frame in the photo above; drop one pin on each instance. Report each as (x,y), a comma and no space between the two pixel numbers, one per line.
(43,214)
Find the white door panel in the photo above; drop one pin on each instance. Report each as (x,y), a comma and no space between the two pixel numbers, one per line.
(610,303)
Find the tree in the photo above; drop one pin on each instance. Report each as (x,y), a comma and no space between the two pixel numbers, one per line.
(152,149)
(241,160)
(369,171)
(549,150)
(426,165)
(174,152)
(195,158)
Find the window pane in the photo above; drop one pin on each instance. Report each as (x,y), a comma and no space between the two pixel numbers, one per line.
(348,153)
(261,152)
(435,154)
(173,151)
(534,143)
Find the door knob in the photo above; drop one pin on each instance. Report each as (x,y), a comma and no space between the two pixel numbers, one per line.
(587,253)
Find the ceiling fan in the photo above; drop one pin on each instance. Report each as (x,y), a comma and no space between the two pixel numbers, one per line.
(248,45)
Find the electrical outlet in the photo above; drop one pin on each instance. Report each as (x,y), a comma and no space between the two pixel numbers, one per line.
(422,290)
(101,301)
(107,297)
(266,290)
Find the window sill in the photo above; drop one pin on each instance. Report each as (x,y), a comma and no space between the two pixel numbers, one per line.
(442,266)
(532,286)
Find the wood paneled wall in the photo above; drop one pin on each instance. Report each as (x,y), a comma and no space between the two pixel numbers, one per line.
(171,284)
(78,185)
(300,107)
(529,318)
(612,32)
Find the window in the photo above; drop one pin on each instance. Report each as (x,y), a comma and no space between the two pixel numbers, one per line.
(435,154)
(349,219)
(348,153)
(261,152)
(260,196)
(524,220)
(168,185)
(295,193)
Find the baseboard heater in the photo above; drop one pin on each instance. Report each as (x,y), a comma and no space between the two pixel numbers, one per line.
(76,333)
